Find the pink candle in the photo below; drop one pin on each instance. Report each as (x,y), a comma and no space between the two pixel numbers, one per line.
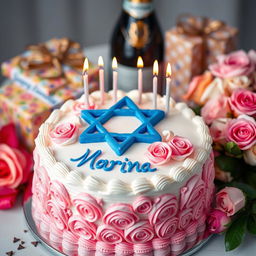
(101,77)
(168,86)
(155,80)
(86,83)
(140,77)
(115,74)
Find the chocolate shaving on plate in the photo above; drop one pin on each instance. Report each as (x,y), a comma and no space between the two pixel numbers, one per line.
(10,253)
(15,240)
(21,247)
(35,243)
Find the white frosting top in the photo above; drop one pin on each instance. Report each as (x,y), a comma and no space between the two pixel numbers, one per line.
(181,120)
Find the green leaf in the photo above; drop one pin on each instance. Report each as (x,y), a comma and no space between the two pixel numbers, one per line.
(251,225)
(254,208)
(197,110)
(235,233)
(247,189)
(229,164)
(232,148)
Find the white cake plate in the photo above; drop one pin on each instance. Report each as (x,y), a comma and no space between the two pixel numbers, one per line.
(32,227)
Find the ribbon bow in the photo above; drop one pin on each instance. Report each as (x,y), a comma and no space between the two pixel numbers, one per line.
(50,59)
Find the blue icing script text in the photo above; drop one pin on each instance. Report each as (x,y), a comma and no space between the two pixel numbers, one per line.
(126,166)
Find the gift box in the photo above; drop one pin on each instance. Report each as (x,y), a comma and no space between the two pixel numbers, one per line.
(192,45)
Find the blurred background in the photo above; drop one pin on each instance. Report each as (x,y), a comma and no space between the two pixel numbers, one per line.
(91,22)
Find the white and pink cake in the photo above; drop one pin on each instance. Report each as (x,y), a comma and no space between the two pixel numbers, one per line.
(122,178)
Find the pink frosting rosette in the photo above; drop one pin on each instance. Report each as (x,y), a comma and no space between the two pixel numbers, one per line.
(88,207)
(230,200)
(64,134)
(165,207)
(234,64)
(109,234)
(185,217)
(78,225)
(192,193)
(208,173)
(141,232)
(142,205)
(181,148)
(60,194)
(120,216)
(78,106)
(199,209)
(242,131)
(124,249)
(159,153)
(59,216)
(243,101)
(166,228)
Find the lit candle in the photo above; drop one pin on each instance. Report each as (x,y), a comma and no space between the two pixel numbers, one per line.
(168,86)
(101,76)
(140,77)
(114,67)
(155,74)
(86,83)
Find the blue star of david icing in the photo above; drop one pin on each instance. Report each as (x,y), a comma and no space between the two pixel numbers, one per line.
(120,142)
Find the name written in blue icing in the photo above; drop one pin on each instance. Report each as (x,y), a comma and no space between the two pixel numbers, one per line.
(126,166)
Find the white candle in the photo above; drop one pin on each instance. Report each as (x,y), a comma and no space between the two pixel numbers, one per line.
(140,77)
(115,74)
(101,78)
(168,86)
(86,83)
(155,80)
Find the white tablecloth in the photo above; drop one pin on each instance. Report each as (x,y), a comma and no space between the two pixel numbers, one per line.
(12,222)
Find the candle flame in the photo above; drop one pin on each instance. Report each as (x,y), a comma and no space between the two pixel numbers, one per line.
(168,70)
(100,62)
(155,68)
(114,63)
(86,65)
(140,62)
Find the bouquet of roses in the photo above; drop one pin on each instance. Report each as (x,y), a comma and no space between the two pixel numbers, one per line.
(226,99)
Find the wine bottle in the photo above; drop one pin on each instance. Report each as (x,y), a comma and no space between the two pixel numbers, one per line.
(137,33)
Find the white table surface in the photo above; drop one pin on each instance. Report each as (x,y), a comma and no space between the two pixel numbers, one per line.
(12,222)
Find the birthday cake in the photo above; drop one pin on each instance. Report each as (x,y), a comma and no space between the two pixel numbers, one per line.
(122,178)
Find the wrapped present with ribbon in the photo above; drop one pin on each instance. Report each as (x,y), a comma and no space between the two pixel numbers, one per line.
(192,45)
(48,66)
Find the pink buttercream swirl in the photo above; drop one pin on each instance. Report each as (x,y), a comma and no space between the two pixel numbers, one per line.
(192,193)
(181,148)
(166,228)
(141,232)
(199,209)
(159,153)
(142,205)
(65,133)
(124,249)
(109,234)
(78,225)
(243,101)
(208,173)
(60,194)
(165,207)
(185,217)
(120,216)
(78,106)
(88,207)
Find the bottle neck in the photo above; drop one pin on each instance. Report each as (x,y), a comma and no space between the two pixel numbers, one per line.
(138,9)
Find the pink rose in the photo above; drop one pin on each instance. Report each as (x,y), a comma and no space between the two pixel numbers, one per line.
(109,234)
(7,197)
(165,207)
(185,217)
(217,221)
(142,205)
(166,228)
(60,194)
(59,216)
(64,134)
(120,216)
(159,153)
(218,130)
(192,193)
(78,225)
(78,106)
(242,131)
(141,232)
(215,108)
(181,148)
(243,101)
(230,200)
(88,207)
(234,64)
